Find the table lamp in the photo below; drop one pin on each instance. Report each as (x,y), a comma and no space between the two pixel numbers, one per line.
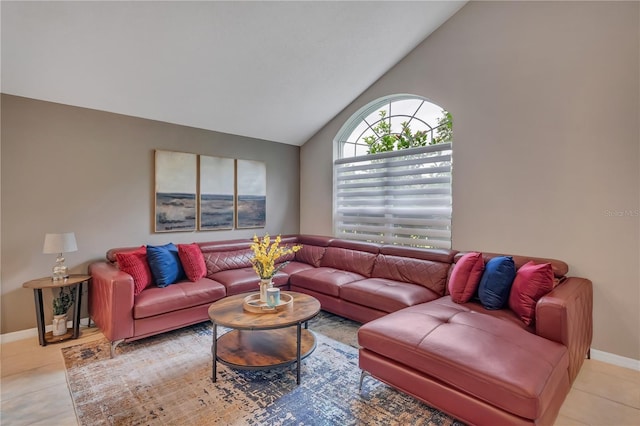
(58,244)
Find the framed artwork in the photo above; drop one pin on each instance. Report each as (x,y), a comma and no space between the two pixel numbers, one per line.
(175,192)
(217,185)
(251,194)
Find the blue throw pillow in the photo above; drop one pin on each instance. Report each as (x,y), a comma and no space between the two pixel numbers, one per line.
(496,281)
(164,264)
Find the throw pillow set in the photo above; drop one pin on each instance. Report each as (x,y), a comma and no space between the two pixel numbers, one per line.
(162,265)
(498,284)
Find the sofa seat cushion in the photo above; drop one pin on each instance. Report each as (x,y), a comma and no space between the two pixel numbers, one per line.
(385,295)
(324,280)
(486,357)
(245,280)
(181,295)
(503,314)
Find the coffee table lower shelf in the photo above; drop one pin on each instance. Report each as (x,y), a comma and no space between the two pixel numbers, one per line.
(263,349)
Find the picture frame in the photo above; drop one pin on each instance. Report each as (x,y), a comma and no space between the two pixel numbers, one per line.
(176,181)
(251,194)
(216,193)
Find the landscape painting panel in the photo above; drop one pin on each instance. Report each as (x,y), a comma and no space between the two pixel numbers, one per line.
(217,183)
(251,204)
(175,192)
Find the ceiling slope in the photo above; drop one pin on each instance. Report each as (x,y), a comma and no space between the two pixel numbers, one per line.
(270,70)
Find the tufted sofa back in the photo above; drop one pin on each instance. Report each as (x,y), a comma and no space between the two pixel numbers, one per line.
(426,267)
(313,248)
(353,256)
(218,261)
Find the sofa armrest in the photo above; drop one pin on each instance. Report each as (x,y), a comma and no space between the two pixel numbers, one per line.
(565,316)
(111,300)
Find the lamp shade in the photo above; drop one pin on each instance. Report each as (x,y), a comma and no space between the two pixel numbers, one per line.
(60,243)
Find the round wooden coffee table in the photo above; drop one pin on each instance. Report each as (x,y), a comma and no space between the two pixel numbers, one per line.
(262,340)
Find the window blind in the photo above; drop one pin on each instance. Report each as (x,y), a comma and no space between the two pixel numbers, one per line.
(398,197)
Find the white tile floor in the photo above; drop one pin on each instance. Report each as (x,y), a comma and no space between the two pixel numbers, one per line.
(34,389)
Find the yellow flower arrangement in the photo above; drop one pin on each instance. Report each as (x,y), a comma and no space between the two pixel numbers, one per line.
(266,253)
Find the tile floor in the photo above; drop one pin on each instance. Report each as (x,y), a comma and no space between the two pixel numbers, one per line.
(34,389)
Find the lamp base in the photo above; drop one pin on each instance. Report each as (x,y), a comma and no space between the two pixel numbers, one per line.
(60,270)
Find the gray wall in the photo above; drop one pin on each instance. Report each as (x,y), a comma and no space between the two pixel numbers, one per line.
(74,169)
(546,159)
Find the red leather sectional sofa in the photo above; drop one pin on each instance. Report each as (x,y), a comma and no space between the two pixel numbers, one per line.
(481,366)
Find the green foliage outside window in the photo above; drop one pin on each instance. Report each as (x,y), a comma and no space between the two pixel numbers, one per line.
(384,140)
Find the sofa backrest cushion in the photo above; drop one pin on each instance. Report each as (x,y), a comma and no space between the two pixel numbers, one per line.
(427,273)
(311,255)
(360,262)
(217,261)
(436,255)
(228,245)
(496,282)
(314,240)
(313,248)
(352,256)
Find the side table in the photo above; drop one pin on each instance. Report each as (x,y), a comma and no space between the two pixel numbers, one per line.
(37,285)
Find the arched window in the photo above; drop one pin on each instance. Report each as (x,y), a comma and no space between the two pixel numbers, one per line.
(392,174)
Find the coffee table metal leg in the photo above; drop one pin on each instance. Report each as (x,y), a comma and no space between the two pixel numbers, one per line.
(214,352)
(298,342)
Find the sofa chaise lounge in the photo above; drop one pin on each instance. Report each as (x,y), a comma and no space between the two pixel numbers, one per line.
(480,366)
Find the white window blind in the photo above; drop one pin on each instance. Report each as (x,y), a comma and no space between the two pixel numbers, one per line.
(398,197)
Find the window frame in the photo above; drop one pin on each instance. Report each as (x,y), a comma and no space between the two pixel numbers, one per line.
(421,194)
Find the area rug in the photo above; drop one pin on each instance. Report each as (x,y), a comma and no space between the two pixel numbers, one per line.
(166,380)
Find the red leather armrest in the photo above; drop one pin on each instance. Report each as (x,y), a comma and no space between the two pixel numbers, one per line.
(111,300)
(566,316)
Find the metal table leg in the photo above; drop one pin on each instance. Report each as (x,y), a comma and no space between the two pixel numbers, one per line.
(76,311)
(214,352)
(37,294)
(298,343)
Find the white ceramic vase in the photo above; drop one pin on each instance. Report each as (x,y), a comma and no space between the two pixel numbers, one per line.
(264,285)
(60,325)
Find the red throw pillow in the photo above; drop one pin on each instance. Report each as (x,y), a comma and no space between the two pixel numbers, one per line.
(465,277)
(135,264)
(531,283)
(192,261)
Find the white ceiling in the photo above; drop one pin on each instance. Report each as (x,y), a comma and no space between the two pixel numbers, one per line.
(270,70)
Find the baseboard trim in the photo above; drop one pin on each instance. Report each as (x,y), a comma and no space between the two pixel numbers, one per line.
(614,359)
(33,332)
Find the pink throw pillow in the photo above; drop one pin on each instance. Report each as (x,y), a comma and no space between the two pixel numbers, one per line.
(465,277)
(531,283)
(192,261)
(135,264)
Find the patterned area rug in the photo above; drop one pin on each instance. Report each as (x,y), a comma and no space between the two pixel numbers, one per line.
(166,380)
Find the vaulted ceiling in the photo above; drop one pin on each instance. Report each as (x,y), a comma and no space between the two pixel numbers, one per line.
(270,70)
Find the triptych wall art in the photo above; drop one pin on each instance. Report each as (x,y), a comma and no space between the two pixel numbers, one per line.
(208,193)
